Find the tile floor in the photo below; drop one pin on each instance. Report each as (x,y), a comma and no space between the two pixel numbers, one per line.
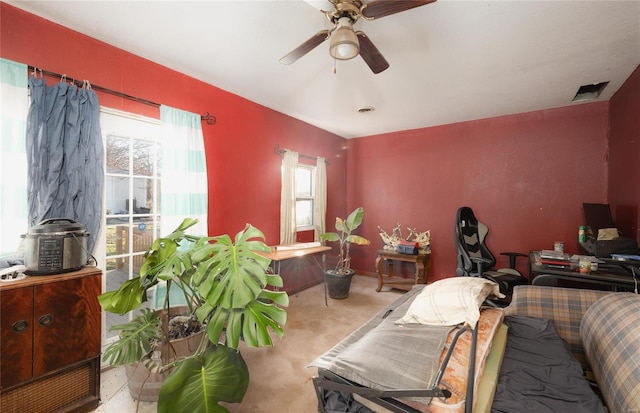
(115,394)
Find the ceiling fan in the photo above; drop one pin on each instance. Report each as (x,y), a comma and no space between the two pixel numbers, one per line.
(347,44)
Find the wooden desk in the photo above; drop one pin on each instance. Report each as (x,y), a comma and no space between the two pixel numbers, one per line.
(615,280)
(280,253)
(285,252)
(421,261)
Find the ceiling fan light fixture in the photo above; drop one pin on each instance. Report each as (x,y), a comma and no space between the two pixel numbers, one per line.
(344,42)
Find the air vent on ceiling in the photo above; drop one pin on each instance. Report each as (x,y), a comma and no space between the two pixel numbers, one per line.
(366,109)
(589,92)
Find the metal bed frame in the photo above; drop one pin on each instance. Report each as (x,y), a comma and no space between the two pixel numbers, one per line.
(388,398)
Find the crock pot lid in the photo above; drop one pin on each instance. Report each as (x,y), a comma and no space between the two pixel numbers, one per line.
(59,226)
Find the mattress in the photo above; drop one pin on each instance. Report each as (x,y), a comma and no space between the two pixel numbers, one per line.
(539,374)
(455,378)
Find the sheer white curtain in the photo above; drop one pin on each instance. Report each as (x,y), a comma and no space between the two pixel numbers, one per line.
(320,205)
(14,107)
(184,171)
(288,198)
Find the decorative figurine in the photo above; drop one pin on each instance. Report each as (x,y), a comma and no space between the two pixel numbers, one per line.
(392,241)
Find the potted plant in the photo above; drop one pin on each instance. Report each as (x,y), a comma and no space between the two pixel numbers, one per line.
(225,285)
(338,279)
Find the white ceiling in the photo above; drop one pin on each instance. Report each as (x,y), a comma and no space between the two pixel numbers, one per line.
(450,61)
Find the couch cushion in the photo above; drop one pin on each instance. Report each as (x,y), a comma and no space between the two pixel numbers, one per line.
(456,375)
(610,333)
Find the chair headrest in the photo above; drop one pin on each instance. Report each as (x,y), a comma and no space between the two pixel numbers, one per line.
(466,217)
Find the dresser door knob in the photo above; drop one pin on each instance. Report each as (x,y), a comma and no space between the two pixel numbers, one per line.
(45,320)
(20,326)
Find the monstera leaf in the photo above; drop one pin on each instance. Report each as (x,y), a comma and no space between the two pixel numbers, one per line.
(126,298)
(231,278)
(231,274)
(162,261)
(256,321)
(136,338)
(251,324)
(198,384)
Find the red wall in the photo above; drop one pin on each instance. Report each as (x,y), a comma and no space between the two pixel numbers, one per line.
(244,172)
(525,176)
(624,156)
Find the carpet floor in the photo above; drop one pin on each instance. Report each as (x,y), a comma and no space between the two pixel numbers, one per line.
(280,381)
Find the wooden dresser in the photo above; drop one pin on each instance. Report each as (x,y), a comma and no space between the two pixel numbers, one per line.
(50,343)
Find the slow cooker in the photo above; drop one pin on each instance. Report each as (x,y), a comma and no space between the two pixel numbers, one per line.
(55,246)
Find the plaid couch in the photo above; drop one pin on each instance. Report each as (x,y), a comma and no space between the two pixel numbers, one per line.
(603,331)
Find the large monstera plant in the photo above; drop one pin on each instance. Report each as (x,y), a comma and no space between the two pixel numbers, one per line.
(225,284)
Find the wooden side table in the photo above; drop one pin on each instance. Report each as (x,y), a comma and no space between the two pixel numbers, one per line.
(421,261)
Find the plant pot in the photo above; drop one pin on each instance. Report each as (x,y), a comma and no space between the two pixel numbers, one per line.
(143,384)
(338,285)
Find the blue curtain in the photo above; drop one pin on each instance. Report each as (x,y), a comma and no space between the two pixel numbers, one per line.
(14,106)
(184,190)
(65,155)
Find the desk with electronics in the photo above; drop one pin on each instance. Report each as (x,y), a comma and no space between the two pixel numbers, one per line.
(620,272)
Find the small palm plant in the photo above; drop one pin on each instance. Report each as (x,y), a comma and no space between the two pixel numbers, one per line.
(345,238)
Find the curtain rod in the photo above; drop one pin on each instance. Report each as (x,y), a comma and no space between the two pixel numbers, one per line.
(210,119)
(278,151)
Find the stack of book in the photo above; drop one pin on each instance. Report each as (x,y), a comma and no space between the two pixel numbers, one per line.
(555,260)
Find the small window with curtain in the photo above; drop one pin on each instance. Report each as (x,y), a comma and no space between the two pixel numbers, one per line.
(305,197)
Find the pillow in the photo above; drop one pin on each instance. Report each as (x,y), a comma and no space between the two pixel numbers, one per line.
(450,301)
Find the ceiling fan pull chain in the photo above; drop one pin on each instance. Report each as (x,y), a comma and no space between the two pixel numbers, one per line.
(334,66)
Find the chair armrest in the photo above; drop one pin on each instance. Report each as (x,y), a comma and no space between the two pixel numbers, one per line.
(512,257)
(481,274)
(479,264)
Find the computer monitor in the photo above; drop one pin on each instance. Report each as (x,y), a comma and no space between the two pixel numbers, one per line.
(597,216)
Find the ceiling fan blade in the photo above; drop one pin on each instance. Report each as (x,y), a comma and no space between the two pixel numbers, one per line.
(381,8)
(305,47)
(371,55)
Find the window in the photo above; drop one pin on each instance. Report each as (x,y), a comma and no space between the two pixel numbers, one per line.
(131,219)
(303,194)
(305,197)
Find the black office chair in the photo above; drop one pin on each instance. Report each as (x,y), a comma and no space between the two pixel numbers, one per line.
(476,260)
